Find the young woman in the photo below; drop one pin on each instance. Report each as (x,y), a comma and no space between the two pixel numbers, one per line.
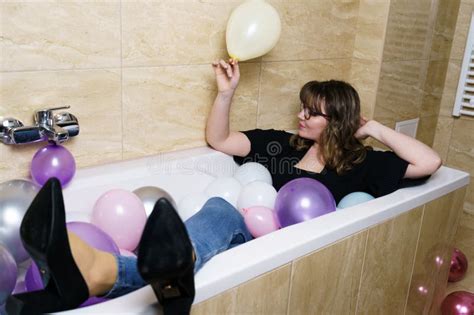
(326,147)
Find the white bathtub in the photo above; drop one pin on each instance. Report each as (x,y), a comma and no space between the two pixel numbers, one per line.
(187,171)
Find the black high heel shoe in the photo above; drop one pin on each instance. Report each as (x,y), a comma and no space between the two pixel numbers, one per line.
(44,236)
(165,259)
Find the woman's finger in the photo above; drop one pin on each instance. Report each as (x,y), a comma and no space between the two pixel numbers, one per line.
(236,67)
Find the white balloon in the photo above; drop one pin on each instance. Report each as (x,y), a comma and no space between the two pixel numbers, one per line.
(227,188)
(191,204)
(257,193)
(253,29)
(250,172)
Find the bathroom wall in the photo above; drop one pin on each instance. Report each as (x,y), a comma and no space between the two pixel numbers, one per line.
(415,57)
(138,76)
(453,140)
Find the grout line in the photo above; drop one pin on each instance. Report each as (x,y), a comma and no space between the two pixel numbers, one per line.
(362,271)
(414,259)
(202,64)
(121,75)
(290,287)
(164,65)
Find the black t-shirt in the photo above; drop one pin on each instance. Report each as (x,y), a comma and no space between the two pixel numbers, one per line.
(379,174)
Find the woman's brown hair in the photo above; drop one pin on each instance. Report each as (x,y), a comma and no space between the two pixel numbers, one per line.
(338,146)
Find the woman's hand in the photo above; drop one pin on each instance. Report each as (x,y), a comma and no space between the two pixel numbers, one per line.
(227,75)
(422,159)
(364,130)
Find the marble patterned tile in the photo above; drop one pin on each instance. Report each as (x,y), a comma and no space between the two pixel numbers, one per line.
(433,253)
(452,76)
(223,303)
(426,129)
(59,35)
(387,265)
(462,28)
(436,76)
(371,25)
(315,29)
(266,294)
(94,97)
(469,200)
(281,83)
(364,77)
(461,151)
(447,104)
(408,34)
(171,104)
(400,93)
(328,280)
(168,32)
(442,286)
(443,136)
(444,27)
(430,105)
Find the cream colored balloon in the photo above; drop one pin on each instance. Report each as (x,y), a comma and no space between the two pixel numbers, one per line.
(253,29)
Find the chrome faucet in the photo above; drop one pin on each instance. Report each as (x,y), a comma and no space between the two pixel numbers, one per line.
(48,127)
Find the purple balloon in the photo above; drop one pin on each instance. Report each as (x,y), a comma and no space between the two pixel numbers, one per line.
(8,274)
(93,236)
(33,281)
(90,234)
(20,287)
(53,161)
(303,199)
(93,300)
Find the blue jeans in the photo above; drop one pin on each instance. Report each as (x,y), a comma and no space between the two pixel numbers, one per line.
(217,227)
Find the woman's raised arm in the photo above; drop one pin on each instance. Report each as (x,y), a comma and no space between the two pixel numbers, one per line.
(218,135)
(423,160)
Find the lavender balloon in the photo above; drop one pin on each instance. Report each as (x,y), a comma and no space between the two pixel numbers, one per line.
(8,274)
(303,199)
(33,281)
(90,234)
(93,236)
(53,161)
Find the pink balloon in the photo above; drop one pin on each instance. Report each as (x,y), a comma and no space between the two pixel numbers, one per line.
(260,220)
(121,215)
(458,303)
(458,267)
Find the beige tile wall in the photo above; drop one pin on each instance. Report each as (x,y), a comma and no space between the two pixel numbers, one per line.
(415,57)
(453,139)
(137,73)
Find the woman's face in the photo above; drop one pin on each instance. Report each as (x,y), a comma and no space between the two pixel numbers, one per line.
(312,127)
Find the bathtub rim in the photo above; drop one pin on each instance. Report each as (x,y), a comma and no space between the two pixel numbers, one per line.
(233,267)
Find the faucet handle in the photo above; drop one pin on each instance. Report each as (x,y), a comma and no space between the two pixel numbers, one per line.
(67,121)
(45,116)
(6,125)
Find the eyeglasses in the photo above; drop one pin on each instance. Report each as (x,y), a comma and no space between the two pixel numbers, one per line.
(308,113)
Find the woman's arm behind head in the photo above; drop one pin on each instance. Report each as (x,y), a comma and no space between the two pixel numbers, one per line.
(422,159)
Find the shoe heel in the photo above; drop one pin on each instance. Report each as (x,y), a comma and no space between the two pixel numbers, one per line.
(44,236)
(165,259)
(176,296)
